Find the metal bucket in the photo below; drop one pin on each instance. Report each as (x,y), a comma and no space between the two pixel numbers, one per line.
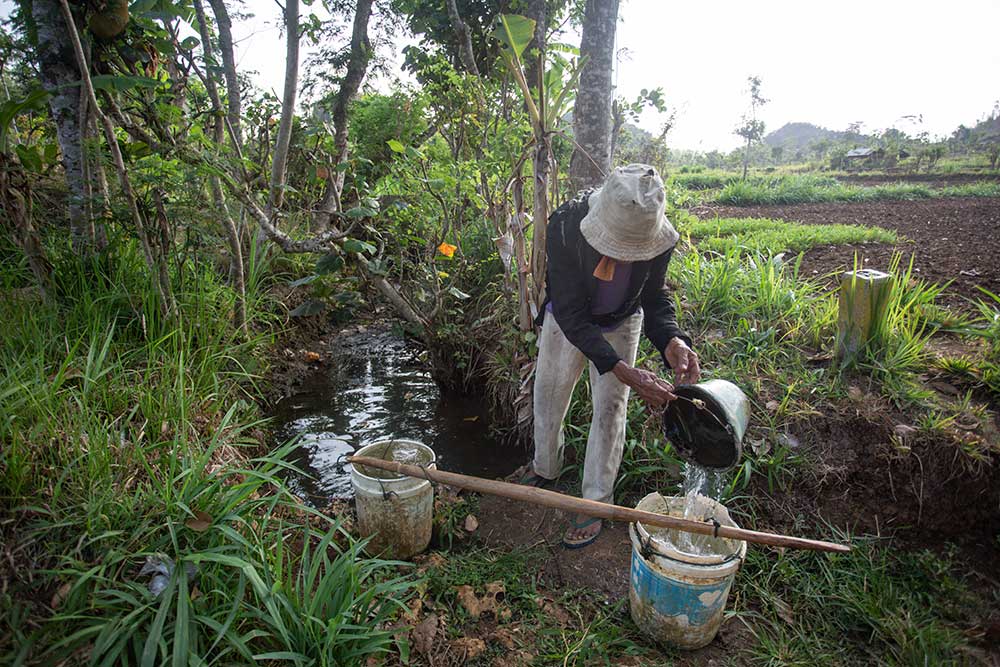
(676,598)
(707,422)
(395,512)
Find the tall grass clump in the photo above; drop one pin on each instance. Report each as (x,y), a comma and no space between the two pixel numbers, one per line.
(131,440)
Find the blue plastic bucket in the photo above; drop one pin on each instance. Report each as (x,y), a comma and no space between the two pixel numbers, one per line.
(678,598)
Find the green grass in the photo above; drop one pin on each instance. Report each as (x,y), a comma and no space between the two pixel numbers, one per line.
(764,236)
(808,188)
(875,605)
(127,437)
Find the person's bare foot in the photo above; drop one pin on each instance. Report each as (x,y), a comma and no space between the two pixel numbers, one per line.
(582,531)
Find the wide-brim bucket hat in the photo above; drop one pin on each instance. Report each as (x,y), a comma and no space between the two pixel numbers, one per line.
(626,219)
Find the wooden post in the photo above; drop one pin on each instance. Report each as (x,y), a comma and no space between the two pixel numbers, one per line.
(863,297)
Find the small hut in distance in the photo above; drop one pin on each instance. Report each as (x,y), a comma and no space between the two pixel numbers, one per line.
(859,158)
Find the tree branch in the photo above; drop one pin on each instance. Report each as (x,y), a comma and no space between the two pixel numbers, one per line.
(461,29)
(281,144)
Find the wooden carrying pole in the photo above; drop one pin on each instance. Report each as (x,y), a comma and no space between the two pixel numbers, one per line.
(559,501)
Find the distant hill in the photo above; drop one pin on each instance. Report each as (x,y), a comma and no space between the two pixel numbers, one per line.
(796,136)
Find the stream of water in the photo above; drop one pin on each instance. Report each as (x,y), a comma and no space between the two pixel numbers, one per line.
(698,482)
(376,388)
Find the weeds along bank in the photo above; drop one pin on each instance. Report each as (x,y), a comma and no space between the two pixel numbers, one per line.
(132,453)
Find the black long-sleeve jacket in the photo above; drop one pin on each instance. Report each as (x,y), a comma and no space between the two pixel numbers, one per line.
(571,287)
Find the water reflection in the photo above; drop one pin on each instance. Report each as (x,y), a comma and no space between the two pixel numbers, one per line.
(375,388)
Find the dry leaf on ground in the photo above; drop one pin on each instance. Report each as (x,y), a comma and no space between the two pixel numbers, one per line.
(201,522)
(468,647)
(467,598)
(422,635)
(60,595)
(784,611)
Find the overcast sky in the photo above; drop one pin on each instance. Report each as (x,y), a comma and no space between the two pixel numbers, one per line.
(825,63)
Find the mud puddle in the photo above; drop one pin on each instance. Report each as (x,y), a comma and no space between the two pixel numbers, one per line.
(375,387)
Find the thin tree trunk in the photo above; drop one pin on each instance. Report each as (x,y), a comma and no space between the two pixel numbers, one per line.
(537,11)
(234,99)
(591,160)
(541,162)
(59,74)
(516,225)
(101,200)
(280,160)
(168,305)
(746,159)
(215,185)
(617,122)
(461,29)
(357,66)
(15,203)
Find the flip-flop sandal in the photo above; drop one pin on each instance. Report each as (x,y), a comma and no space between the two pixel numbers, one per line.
(534,479)
(579,544)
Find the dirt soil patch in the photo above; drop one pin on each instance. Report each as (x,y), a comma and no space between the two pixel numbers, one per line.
(951,239)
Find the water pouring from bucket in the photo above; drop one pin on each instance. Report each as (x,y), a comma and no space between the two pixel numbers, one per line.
(707,421)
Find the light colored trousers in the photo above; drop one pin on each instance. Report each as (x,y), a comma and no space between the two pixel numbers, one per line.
(559,367)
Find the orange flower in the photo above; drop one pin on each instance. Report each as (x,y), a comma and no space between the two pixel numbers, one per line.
(447,249)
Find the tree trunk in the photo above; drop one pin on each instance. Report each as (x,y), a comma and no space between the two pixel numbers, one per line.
(541,160)
(215,184)
(516,225)
(746,159)
(617,123)
(357,66)
(15,204)
(59,72)
(591,161)
(156,263)
(281,144)
(461,29)
(234,99)
(537,11)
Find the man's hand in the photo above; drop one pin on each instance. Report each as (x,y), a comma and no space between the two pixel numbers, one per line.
(683,360)
(648,386)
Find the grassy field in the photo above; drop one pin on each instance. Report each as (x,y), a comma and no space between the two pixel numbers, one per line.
(810,189)
(801,188)
(773,236)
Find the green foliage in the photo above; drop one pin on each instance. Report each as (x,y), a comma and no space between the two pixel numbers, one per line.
(375,120)
(905,608)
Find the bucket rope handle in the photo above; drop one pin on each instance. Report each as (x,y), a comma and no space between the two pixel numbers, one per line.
(386,495)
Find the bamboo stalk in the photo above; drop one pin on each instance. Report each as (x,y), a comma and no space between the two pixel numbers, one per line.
(545,498)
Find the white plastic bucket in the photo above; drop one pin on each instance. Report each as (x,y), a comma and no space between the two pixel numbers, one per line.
(677,598)
(395,512)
